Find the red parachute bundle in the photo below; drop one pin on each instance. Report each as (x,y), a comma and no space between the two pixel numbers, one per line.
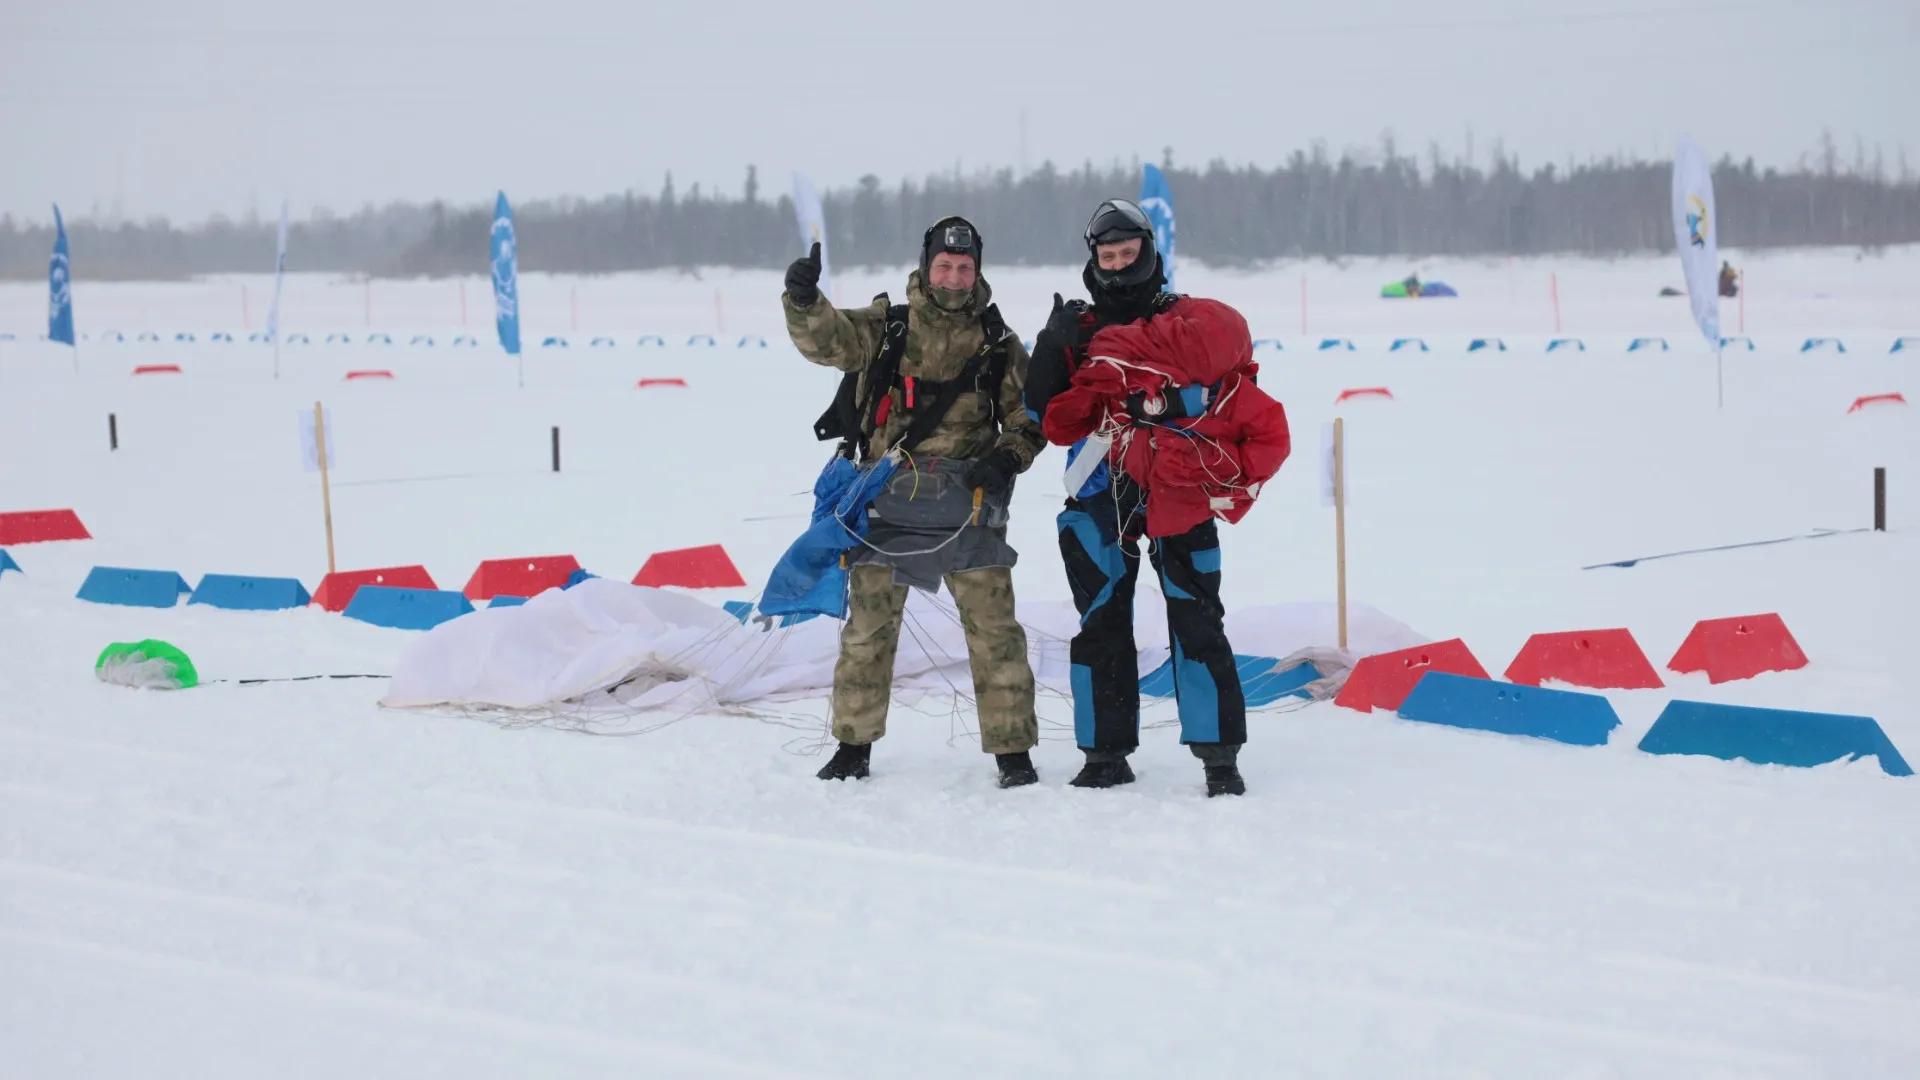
(1194,468)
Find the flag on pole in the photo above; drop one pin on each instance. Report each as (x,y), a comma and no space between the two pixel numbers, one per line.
(279,272)
(1696,233)
(813,226)
(1156,198)
(506,288)
(59,286)
(312,423)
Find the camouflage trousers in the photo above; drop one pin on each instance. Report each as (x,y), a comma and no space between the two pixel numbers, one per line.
(996,650)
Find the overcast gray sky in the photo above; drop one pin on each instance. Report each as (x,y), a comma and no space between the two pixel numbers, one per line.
(190,107)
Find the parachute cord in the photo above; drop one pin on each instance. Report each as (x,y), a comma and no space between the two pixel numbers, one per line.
(286,679)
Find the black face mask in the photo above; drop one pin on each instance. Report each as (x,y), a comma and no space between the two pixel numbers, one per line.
(1124,301)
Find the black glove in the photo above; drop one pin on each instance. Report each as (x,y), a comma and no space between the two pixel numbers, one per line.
(803,278)
(995,471)
(1050,368)
(1063,321)
(1170,404)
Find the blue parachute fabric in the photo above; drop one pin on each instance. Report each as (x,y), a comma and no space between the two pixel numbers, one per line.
(1096,481)
(808,579)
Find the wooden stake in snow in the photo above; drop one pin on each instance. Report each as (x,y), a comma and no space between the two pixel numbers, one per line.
(326,491)
(1333,492)
(1340,521)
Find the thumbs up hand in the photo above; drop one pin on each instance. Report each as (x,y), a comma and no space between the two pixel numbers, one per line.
(803,278)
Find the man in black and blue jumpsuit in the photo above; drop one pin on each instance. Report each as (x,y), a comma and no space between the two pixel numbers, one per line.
(1099,542)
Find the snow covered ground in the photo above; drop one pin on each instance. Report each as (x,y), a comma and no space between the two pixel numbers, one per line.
(286,880)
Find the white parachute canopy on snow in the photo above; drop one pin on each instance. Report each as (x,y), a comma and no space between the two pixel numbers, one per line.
(607,645)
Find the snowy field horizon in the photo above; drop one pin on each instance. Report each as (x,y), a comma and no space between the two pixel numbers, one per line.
(289,880)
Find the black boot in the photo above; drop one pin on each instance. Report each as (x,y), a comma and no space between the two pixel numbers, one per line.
(848,763)
(1016,770)
(1103,770)
(1225,780)
(1223,770)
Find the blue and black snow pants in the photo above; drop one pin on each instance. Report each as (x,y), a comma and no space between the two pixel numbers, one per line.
(1102,569)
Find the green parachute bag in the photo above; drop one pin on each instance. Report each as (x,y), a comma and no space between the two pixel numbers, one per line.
(146,665)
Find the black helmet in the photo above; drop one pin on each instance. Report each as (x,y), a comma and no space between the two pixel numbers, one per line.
(955,235)
(1114,221)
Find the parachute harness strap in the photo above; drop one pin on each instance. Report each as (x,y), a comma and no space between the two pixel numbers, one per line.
(896,454)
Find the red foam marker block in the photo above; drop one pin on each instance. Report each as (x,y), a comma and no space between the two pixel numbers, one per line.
(1738,648)
(520,577)
(644,383)
(1384,680)
(380,373)
(1876,399)
(1364,392)
(157,369)
(1595,659)
(336,589)
(690,568)
(41,526)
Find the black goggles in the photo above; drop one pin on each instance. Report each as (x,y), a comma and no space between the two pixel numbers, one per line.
(1117,219)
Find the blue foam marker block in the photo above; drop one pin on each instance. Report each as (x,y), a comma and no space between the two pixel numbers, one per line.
(133,588)
(406,609)
(577,577)
(503,600)
(739,609)
(7,563)
(239,593)
(1485,705)
(1770,736)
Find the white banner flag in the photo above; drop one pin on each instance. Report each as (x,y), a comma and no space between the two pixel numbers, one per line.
(310,441)
(813,227)
(1326,468)
(279,272)
(1696,232)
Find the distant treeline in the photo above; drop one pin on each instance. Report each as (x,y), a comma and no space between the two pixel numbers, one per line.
(1313,206)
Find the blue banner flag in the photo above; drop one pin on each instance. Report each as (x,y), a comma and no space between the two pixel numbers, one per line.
(1696,233)
(506,287)
(1156,198)
(59,286)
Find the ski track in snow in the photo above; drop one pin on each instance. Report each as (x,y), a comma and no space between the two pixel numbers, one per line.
(285,880)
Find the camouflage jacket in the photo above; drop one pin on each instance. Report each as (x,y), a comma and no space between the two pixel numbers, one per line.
(939,344)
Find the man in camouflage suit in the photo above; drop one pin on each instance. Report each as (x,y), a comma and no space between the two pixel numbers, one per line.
(984,439)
